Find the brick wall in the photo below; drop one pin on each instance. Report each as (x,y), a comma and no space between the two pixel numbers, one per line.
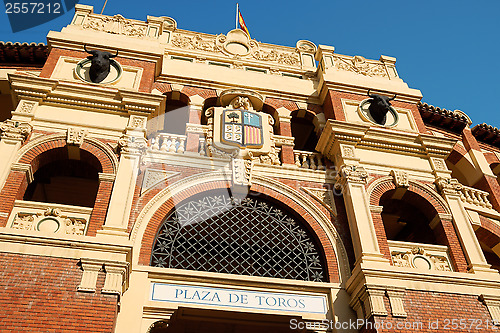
(147,79)
(426,307)
(39,294)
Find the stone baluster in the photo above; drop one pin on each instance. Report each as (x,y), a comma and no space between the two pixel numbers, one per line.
(181,148)
(156,143)
(305,162)
(297,159)
(202,147)
(173,144)
(312,163)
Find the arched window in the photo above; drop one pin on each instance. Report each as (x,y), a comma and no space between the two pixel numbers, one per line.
(408,218)
(249,236)
(173,119)
(303,130)
(65,181)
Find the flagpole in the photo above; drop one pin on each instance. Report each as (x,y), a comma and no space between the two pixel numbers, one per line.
(237,10)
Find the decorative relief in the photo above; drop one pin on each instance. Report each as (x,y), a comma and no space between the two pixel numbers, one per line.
(26,107)
(396,297)
(350,174)
(419,258)
(400,178)
(51,219)
(132,145)
(196,42)
(236,45)
(271,158)
(280,140)
(359,65)
(347,151)
(115,25)
(137,122)
(196,128)
(324,196)
(448,186)
(306,46)
(154,177)
(439,164)
(241,170)
(209,142)
(493,305)
(285,58)
(241,102)
(75,136)
(236,130)
(15,130)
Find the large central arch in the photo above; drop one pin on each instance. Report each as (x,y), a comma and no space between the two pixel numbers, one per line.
(254,236)
(153,214)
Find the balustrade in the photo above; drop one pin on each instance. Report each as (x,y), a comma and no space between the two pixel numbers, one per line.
(172,143)
(308,160)
(475,197)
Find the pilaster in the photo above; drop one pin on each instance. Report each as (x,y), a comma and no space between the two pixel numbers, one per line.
(12,135)
(450,188)
(131,148)
(352,180)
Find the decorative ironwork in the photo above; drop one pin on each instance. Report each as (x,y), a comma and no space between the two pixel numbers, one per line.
(245,236)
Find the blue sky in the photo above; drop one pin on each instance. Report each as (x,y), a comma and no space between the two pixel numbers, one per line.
(447,49)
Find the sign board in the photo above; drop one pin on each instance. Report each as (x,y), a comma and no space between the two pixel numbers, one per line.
(235,298)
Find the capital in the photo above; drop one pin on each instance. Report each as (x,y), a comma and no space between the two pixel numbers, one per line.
(448,186)
(132,145)
(350,174)
(11,129)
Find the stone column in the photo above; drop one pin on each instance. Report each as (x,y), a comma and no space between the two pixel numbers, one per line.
(124,187)
(12,136)
(352,179)
(450,188)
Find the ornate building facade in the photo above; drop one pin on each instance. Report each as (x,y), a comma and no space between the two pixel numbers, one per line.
(219,184)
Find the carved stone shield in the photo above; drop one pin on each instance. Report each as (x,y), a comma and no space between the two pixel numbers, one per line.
(242,128)
(247,131)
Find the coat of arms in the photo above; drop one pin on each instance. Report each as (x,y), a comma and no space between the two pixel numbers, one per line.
(242,128)
(238,129)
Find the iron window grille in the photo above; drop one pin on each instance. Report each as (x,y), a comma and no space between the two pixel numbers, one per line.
(246,236)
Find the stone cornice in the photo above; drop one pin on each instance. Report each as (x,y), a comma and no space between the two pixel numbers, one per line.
(63,246)
(209,84)
(382,139)
(77,95)
(76,42)
(405,95)
(412,279)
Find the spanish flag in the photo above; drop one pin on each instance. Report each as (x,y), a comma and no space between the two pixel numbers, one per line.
(243,26)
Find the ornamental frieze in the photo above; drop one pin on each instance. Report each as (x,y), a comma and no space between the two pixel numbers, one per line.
(237,45)
(359,65)
(116,25)
(51,220)
(420,258)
